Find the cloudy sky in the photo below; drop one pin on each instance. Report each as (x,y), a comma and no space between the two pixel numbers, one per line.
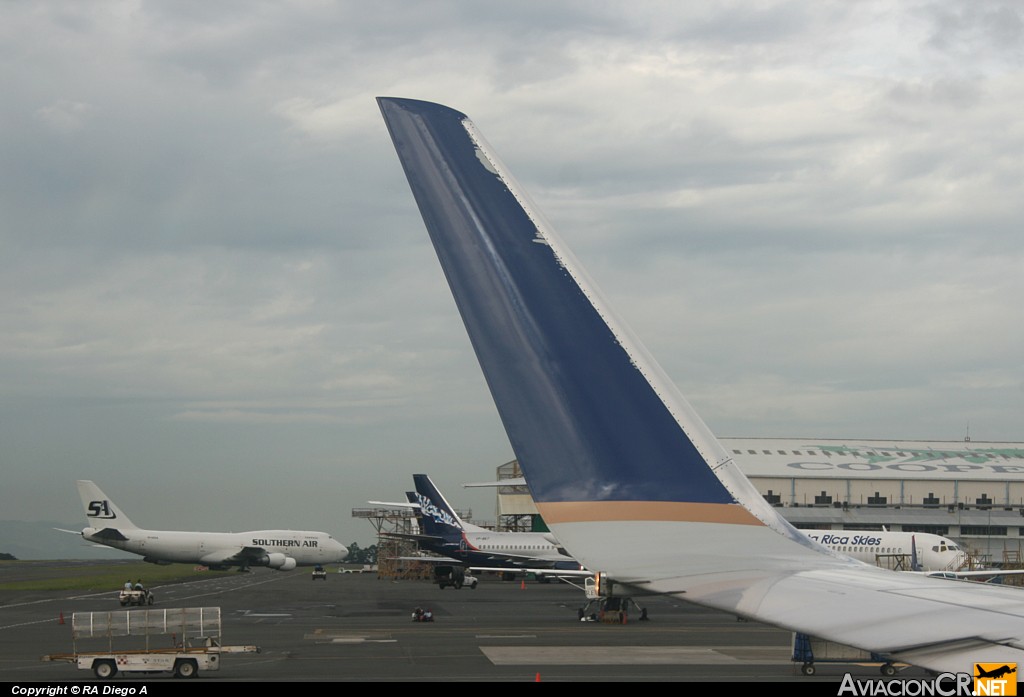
(219,302)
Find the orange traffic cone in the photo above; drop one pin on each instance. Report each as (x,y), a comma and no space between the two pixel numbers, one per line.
(61,620)
(522,585)
(537,679)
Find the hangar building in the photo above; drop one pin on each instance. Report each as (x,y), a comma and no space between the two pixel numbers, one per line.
(972,492)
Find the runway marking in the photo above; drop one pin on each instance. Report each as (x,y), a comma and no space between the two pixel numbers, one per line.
(506,636)
(52,620)
(250,613)
(54,600)
(166,592)
(322,636)
(225,590)
(635,655)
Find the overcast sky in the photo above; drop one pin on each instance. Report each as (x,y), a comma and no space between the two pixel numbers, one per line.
(219,302)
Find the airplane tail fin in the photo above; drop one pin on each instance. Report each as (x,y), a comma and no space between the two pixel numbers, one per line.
(600,431)
(100,511)
(438,517)
(625,473)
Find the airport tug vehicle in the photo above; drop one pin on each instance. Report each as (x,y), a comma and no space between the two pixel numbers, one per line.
(181,641)
(135,597)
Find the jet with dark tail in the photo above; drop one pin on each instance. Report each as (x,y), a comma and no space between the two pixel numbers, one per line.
(447,534)
(623,470)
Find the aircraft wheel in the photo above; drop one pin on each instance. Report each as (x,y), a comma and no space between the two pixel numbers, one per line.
(807,669)
(104,670)
(185,669)
(888,669)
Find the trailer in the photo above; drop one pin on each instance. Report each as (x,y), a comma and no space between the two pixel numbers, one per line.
(181,641)
(808,650)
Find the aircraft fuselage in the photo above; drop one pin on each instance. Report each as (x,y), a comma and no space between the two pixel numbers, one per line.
(254,548)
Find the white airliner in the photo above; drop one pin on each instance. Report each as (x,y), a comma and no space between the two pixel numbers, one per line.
(279,549)
(625,473)
(906,551)
(445,533)
(448,534)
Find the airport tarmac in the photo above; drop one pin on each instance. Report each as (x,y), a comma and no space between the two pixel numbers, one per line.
(354,627)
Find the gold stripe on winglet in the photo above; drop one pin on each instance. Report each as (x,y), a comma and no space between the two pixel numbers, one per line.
(591,511)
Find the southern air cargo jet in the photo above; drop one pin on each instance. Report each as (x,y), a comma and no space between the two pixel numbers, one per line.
(625,473)
(279,549)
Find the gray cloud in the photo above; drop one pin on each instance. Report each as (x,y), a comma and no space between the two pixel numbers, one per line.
(213,270)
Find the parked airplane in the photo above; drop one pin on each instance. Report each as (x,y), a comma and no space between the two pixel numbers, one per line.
(279,549)
(903,551)
(623,470)
(446,533)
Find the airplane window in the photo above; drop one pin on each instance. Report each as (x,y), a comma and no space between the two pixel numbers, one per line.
(736,452)
(767,452)
(811,452)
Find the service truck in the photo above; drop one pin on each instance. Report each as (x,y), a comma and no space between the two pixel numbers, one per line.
(181,641)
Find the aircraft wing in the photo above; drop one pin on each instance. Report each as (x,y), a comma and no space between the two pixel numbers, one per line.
(431,560)
(546,561)
(542,571)
(973,574)
(624,471)
(235,556)
(549,572)
(395,504)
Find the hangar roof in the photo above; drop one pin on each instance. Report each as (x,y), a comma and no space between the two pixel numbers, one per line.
(877,459)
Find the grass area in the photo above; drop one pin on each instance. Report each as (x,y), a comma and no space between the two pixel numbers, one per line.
(98,576)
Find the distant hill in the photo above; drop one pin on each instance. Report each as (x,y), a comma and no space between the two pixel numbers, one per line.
(39,540)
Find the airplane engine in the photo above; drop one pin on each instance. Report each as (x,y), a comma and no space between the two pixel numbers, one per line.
(279,561)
